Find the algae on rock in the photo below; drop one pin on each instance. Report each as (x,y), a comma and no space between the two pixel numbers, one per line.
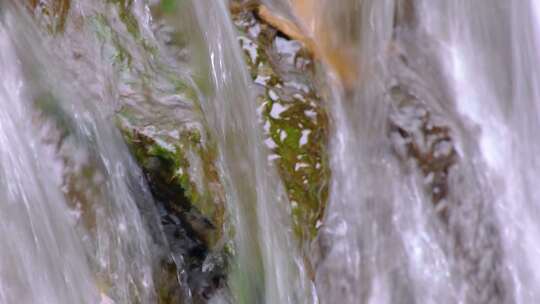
(292,114)
(156,108)
(180,169)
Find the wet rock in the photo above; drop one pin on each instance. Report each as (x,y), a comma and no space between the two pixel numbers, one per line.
(424,141)
(157,114)
(417,135)
(180,171)
(179,168)
(292,114)
(161,123)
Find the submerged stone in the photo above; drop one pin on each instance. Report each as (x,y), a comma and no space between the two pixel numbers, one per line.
(179,167)
(417,134)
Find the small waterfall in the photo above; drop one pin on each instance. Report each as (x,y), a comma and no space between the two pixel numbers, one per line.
(35,224)
(382,238)
(270,268)
(463,69)
(73,196)
(489,55)
(137,164)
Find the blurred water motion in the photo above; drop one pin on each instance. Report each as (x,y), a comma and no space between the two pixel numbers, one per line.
(427,192)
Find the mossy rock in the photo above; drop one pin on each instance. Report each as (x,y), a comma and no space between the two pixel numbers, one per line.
(174,150)
(178,159)
(292,114)
(168,159)
(420,135)
(179,166)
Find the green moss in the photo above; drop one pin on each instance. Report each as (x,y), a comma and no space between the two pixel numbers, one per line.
(167,166)
(168,6)
(300,129)
(166,160)
(181,169)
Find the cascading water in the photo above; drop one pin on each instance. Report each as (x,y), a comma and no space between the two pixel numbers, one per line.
(456,68)
(258,198)
(36,225)
(97,245)
(432,151)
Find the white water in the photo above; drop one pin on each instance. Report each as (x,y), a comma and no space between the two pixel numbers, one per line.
(476,66)
(384,242)
(36,227)
(96,246)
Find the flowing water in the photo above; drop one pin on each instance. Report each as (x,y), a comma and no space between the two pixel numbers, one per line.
(72,197)
(433,152)
(232,115)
